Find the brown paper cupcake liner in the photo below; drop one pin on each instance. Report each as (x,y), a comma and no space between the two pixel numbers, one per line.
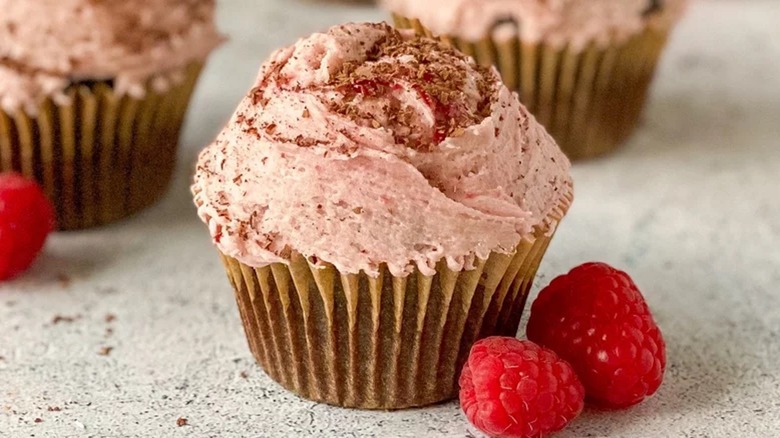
(102,156)
(379,343)
(589,100)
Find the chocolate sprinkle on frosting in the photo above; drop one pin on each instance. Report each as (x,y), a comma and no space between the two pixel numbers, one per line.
(654,7)
(438,74)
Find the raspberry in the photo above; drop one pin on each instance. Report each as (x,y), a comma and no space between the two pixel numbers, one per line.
(512,388)
(596,318)
(26,219)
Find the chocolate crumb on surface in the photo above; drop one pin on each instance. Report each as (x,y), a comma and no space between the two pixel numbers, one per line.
(66,319)
(38,420)
(105,351)
(181,421)
(110,317)
(64,279)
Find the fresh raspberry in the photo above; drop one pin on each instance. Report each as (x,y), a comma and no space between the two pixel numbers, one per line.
(512,388)
(596,318)
(26,219)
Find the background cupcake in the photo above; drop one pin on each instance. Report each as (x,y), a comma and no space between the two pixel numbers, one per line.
(93,95)
(374,221)
(583,67)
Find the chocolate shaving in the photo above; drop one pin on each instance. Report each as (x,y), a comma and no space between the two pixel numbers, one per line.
(438,74)
(653,7)
(59,318)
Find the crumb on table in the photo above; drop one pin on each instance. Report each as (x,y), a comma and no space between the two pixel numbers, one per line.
(61,318)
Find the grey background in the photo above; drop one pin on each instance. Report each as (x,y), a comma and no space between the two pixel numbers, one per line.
(690,208)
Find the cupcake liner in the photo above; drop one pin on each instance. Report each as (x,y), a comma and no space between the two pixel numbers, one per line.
(102,156)
(380,343)
(590,100)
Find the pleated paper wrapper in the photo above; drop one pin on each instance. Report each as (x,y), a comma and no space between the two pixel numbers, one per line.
(102,156)
(590,100)
(353,340)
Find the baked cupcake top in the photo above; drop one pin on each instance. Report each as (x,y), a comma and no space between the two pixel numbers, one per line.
(46,45)
(364,145)
(560,22)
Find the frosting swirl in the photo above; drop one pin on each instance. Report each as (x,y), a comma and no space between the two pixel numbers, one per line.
(365,145)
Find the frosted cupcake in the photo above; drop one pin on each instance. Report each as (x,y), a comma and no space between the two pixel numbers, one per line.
(93,95)
(583,67)
(380,202)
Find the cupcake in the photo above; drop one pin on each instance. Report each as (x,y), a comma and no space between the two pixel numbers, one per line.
(380,202)
(583,67)
(93,95)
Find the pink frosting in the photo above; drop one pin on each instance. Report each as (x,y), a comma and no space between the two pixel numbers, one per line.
(310,164)
(558,22)
(45,45)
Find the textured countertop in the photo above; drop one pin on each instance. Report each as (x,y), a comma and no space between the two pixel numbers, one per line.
(123,330)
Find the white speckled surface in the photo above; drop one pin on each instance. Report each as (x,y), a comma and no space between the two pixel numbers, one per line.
(690,208)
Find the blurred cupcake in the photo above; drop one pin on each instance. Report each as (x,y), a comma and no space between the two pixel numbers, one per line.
(583,67)
(93,95)
(380,202)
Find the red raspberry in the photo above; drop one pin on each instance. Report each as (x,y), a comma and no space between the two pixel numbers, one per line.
(512,388)
(26,219)
(596,318)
